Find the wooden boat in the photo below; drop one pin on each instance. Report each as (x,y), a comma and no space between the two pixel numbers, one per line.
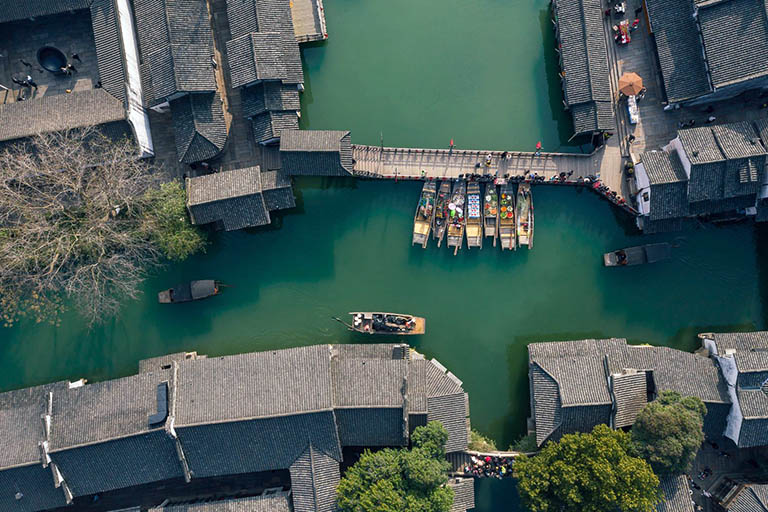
(507,226)
(186,292)
(491,212)
(456,219)
(474,215)
(441,212)
(639,255)
(524,214)
(425,210)
(387,323)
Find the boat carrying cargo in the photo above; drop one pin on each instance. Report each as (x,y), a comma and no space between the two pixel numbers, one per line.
(491,212)
(186,292)
(639,255)
(524,214)
(441,212)
(474,227)
(456,216)
(387,323)
(507,228)
(425,210)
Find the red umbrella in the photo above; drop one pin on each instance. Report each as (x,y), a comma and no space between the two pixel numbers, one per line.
(538,145)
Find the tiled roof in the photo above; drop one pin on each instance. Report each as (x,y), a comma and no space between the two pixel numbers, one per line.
(223,185)
(109,50)
(176,48)
(371,426)
(463,494)
(269,503)
(630,394)
(233,197)
(547,408)
(581,380)
(453,412)
(735,40)
(270,125)
(369,383)
(199,127)
(676,494)
(738,140)
(700,145)
(12,10)
(59,112)
(663,167)
(669,187)
(754,403)
(752,498)
(265,96)
(750,349)
(314,478)
(277,191)
(584,60)
(316,152)
(256,56)
(679,50)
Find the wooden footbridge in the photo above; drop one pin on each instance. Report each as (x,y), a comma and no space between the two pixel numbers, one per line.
(460,460)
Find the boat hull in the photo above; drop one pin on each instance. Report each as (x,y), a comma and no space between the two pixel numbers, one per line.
(419,325)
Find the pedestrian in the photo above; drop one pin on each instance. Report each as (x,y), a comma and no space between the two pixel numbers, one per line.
(76,57)
(31,82)
(631,138)
(607,12)
(205,166)
(711,119)
(638,11)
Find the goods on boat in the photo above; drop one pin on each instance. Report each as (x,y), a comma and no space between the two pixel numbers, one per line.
(491,212)
(186,292)
(422,220)
(507,229)
(456,216)
(440,222)
(639,255)
(387,323)
(474,226)
(524,215)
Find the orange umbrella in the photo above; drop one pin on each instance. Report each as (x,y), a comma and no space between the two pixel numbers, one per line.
(630,84)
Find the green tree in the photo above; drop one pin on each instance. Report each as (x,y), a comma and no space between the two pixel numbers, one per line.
(588,472)
(168,223)
(480,443)
(669,431)
(403,480)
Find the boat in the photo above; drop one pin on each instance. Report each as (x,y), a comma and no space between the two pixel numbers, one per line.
(441,212)
(524,215)
(507,227)
(456,219)
(186,292)
(491,212)
(474,224)
(387,323)
(639,255)
(422,220)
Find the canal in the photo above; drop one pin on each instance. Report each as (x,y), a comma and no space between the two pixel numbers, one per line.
(422,73)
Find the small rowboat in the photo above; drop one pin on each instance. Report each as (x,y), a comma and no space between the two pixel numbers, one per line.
(456,216)
(425,210)
(474,212)
(186,292)
(507,228)
(524,215)
(387,323)
(441,212)
(491,212)
(640,255)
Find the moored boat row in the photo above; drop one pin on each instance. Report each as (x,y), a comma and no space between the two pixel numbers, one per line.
(492,213)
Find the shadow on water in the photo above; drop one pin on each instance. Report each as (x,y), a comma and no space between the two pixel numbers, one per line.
(761,246)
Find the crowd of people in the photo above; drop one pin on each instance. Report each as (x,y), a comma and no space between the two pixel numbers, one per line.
(489,466)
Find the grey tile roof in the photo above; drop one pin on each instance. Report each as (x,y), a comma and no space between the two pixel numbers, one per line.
(676,495)
(663,167)
(371,426)
(256,385)
(199,127)
(316,152)
(735,39)
(246,446)
(256,56)
(270,125)
(417,386)
(234,213)
(165,362)
(176,48)
(584,59)
(369,383)
(109,49)
(752,498)
(630,395)
(314,478)
(453,412)
(545,400)
(754,404)
(101,440)
(680,53)
(750,349)
(277,190)
(581,380)
(269,503)
(669,187)
(738,140)
(59,112)
(463,494)
(266,96)
(12,10)
(35,484)
(222,185)
(700,145)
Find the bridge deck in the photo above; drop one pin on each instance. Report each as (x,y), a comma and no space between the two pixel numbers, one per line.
(375,161)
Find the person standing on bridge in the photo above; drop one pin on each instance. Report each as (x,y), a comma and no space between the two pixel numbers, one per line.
(538,149)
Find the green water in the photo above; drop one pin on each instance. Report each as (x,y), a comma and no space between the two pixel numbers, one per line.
(423,72)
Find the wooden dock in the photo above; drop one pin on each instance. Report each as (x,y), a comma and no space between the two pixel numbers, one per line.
(308,20)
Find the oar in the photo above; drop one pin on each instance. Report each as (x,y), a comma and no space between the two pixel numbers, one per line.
(342,322)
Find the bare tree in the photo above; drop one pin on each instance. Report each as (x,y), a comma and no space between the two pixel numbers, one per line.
(76,224)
